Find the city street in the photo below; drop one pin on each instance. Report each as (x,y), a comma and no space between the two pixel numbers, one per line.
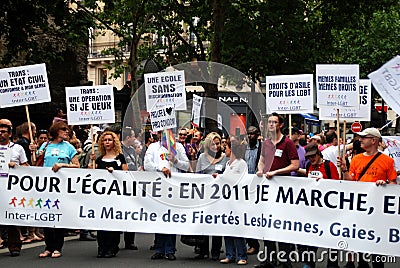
(83,254)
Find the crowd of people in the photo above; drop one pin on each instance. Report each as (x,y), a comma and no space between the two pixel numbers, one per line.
(272,153)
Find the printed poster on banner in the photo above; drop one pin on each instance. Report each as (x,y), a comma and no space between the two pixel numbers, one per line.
(337,85)
(163,118)
(196,109)
(5,155)
(325,213)
(24,85)
(165,89)
(90,105)
(352,114)
(290,94)
(386,81)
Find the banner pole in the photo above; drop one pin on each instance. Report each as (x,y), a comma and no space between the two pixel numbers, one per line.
(93,141)
(168,145)
(338,134)
(344,139)
(290,125)
(30,130)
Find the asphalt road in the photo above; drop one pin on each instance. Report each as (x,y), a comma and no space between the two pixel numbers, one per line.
(83,254)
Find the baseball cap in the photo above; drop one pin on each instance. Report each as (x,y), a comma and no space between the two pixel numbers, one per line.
(296,130)
(311,149)
(370,131)
(316,137)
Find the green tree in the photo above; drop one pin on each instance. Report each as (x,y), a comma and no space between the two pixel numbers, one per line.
(39,31)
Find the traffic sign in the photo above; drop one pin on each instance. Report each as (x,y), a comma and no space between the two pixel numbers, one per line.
(356,127)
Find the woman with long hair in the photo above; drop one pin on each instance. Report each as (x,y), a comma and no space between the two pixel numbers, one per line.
(111,158)
(58,153)
(212,161)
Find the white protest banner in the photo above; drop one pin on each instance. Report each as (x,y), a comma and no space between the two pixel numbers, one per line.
(5,155)
(167,88)
(196,109)
(90,105)
(327,213)
(386,81)
(337,85)
(352,114)
(24,85)
(163,118)
(291,94)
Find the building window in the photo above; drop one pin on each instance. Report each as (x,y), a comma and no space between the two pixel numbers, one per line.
(102,76)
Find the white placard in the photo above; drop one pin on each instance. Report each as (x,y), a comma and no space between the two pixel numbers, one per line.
(393,148)
(337,85)
(90,105)
(163,118)
(290,94)
(196,109)
(327,213)
(386,81)
(352,114)
(165,89)
(219,121)
(5,155)
(24,85)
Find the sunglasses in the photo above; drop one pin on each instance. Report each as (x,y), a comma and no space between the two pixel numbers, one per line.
(182,134)
(3,131)
(64,129)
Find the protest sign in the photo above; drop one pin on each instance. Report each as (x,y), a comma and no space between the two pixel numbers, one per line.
(24,85)
(337,85)
(167,88)
(290,94)
(163,118)
(324,213)
(219,121)
(196,109)
(352,114)
(393,148)
(90,105)
(386,81)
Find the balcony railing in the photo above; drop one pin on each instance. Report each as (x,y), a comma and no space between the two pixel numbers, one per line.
(98,50)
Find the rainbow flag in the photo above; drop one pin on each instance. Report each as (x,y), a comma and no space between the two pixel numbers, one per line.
(168,136)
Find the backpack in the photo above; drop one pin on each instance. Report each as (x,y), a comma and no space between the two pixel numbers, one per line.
(326,166)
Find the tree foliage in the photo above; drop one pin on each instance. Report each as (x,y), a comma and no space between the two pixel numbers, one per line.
(39,31)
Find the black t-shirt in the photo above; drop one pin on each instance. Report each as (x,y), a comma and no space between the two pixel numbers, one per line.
(24,142)
(115,163)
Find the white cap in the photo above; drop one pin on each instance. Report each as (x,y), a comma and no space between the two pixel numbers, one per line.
(370,131)
(318,138)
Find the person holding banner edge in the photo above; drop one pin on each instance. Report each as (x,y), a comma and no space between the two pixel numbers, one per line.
(236,168)
(17,158)
(212,161)
(159,158)
(111,158)
(58,154)
(278,157)
(369,166)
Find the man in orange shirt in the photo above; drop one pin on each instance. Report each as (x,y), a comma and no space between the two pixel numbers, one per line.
(370,166)
(381,170)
